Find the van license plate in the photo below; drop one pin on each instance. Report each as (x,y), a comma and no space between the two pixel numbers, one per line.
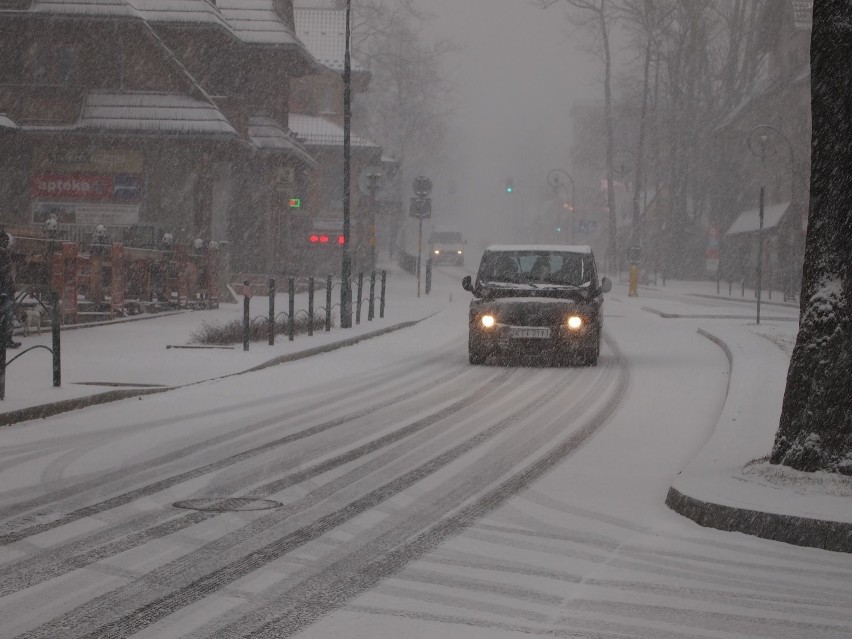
(522,332)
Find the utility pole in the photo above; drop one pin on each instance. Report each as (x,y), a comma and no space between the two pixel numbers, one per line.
(346,266)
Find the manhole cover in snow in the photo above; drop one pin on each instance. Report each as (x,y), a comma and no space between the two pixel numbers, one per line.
(227,504)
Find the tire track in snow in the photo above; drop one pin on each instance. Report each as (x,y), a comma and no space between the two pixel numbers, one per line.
(121,499)
(312,598)
(65,488)
(30,571)
(84,618)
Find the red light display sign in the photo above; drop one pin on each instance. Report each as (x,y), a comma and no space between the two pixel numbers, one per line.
(323,238)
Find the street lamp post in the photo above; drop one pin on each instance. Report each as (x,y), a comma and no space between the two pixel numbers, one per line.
(762,132)
(346,260)
(757,141)
(51,225)
(555,183)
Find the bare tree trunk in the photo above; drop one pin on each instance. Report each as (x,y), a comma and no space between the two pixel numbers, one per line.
(640,151)
(612,249)
(815,430)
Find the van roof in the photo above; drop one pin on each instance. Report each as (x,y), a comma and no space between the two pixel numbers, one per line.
(550,248)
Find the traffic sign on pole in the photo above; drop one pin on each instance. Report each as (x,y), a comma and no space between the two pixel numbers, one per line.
(634,255)
(421,208)
(422,186)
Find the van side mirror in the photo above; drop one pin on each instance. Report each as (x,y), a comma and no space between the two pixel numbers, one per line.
(467,283)
(606,285)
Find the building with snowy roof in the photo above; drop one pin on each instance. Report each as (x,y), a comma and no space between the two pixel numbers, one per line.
(181,105)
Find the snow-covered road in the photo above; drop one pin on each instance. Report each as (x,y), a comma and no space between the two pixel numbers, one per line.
(415,496)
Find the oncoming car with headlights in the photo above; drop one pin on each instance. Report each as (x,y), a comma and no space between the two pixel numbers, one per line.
(536,299)
(447,247)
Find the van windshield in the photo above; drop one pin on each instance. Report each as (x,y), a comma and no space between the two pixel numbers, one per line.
(446,237)
(537,267)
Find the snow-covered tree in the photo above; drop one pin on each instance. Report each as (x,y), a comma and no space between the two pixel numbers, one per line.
(815,431)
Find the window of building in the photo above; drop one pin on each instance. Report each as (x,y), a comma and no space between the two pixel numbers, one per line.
(55,65)
(328,100)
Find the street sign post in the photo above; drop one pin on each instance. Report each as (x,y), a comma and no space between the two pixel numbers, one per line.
(421,208)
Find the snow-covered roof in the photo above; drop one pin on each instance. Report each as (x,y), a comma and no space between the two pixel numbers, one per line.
(323,32)
(6,122)
(803,12)
(148,112)
(550,248)
(93,8)
(256,22)
(185,11)
(267,135)
(250,21)
(761,86)
(160,112)
(749,221)
(317,131)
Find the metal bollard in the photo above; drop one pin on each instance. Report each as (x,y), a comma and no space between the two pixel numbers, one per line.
(428,287)
(371,307)
(328,304)
(311,305)
(57,357)
(291,309)
(271,312)
(358,302)
(382,298)
(246,299)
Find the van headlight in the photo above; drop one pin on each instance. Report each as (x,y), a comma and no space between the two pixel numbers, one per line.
(575,322)
(487,321)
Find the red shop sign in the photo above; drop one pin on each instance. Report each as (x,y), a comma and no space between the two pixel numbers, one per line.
(71,186)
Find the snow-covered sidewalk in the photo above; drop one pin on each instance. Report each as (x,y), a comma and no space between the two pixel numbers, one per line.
(109,360)
(730,484)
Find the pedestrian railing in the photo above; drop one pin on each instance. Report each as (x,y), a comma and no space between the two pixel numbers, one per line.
(312,311)
(6,332)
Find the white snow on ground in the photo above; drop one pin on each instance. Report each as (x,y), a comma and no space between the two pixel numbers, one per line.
(136,352)
(590,547)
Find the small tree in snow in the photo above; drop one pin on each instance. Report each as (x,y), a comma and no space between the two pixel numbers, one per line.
(815,431)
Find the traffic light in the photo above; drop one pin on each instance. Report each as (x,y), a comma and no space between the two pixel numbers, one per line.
(510,186)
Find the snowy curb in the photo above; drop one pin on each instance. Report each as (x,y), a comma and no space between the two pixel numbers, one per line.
(716,494)
(801,531)
(54,408)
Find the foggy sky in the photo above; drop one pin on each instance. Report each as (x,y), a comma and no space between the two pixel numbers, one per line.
(518,73)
